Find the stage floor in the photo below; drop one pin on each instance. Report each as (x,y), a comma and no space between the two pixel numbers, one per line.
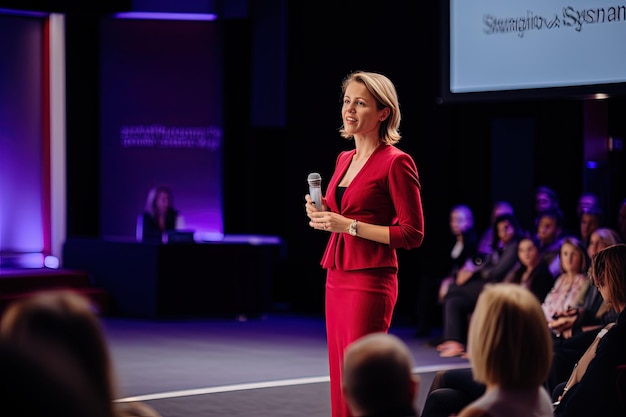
(274,365)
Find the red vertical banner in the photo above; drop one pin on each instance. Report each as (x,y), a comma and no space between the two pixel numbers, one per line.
(46,205)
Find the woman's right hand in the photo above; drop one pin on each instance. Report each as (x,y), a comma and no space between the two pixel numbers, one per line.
(310,207)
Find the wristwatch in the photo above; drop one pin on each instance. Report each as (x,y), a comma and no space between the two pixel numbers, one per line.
(352,229)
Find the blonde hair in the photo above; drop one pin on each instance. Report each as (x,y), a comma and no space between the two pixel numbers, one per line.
(579,246)
(384,93)
(607,236)
(509,343)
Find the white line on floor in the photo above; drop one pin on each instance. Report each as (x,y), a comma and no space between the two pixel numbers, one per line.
(267,384)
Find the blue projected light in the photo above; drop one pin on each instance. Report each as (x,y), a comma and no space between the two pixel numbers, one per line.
(27,13)
(165,16)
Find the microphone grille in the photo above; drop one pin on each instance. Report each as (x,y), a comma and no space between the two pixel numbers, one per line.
(314,179)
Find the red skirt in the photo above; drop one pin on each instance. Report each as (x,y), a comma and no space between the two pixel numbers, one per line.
(357,303)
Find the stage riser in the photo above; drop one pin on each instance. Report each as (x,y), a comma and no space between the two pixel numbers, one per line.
(19,283)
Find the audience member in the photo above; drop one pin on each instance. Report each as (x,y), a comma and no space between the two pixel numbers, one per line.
(486,241)
(546,199)
(532,272)
(377,378)
(462,295)
(570,287)
(510,352)
(462,247)
(594,312)
(453,389)
(602,238)
(587,201)
(159,215)
(578,330)
(549,231)
(60,327)
(590,220)
(591,389)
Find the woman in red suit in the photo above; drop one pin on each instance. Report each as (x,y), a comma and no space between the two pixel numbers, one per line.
(372,207)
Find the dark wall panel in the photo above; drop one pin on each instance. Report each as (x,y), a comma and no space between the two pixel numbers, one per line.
(161,121)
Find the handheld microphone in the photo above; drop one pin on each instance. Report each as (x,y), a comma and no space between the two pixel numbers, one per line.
(315,189)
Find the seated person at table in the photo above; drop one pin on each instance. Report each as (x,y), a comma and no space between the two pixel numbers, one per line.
(159,215)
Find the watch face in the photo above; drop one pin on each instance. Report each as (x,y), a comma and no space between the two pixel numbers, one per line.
(352,229)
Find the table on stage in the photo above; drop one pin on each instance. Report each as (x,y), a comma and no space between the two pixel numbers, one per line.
(230,277)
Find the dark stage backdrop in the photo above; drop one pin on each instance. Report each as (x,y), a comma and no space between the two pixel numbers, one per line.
(21,145)
(161,121)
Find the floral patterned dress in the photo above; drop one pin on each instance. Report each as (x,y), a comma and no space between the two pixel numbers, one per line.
(565,293)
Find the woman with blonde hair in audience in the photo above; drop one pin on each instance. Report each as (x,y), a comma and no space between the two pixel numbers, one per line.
(510,350)
(571,285)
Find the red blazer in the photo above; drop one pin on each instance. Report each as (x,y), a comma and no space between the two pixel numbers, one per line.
(385,192)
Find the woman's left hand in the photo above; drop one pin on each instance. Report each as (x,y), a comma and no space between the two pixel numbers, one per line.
(327,220)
